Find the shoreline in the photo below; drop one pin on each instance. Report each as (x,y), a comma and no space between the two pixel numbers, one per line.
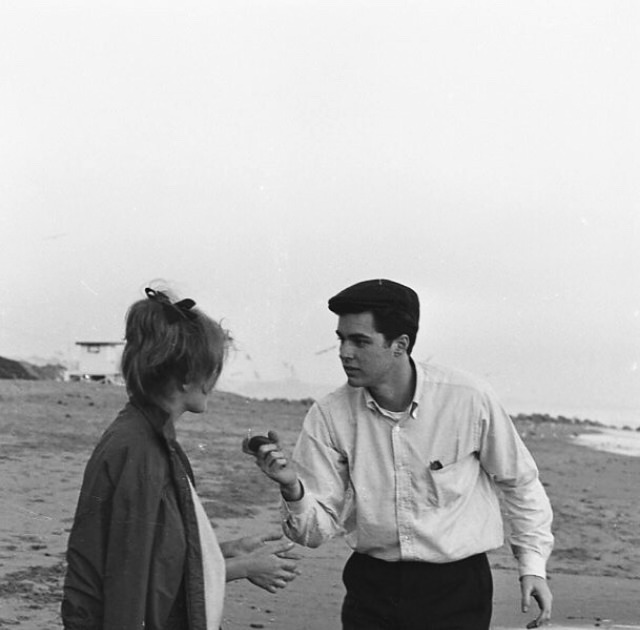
(616,441)
(591,434)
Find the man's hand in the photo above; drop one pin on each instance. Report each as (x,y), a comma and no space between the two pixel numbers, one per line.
(536,587)
(273,462)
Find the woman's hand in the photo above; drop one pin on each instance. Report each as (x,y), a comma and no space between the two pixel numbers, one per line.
(274,567)
(267,561)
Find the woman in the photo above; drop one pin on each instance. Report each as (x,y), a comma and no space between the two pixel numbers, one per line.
(142,553)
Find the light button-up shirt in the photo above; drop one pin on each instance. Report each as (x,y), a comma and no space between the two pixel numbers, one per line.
(422,484)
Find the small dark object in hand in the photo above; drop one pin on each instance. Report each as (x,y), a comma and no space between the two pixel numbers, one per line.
(257,441)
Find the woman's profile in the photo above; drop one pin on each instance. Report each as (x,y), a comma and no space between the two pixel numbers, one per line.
(142,552)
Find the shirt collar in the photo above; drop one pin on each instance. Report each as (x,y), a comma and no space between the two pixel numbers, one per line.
(417,394)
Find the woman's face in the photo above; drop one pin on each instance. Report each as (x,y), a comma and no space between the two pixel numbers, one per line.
(196,394)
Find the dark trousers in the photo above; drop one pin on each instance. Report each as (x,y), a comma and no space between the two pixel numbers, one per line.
(417,595)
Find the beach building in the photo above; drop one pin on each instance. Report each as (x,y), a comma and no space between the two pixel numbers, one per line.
(98,361)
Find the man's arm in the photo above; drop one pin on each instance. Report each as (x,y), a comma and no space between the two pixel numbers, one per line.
(311,509)
(507,460)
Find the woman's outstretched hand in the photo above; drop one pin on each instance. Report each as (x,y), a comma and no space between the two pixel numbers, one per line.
(265,560)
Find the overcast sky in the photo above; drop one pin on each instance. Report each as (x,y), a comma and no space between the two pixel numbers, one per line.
(261,156)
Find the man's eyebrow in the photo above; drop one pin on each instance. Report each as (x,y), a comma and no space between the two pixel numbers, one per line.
(353,335)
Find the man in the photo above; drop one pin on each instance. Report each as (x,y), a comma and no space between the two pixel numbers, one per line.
(406,459)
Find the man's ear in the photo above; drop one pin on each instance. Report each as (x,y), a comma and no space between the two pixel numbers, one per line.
(400,345)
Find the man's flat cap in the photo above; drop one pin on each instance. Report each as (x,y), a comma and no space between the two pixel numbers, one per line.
(372,294)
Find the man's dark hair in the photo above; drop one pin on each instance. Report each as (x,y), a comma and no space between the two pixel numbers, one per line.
(395,308)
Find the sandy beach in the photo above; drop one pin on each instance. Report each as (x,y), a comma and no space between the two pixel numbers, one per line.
(47,431)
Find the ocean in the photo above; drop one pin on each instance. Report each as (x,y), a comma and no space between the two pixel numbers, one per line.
(620,433)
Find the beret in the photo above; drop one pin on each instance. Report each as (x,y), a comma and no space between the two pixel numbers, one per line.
(373,294)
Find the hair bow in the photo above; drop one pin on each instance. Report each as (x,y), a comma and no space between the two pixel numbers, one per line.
(174,311)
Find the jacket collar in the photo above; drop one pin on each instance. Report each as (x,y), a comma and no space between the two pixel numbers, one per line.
(158,418)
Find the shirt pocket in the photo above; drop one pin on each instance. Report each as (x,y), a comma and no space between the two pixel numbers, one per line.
(453,481)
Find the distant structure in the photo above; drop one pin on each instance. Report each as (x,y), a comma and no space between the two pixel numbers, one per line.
(98,361)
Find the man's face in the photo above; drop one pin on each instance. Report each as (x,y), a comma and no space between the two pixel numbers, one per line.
(367,358)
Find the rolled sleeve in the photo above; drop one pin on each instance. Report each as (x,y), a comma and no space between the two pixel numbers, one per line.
(530,563)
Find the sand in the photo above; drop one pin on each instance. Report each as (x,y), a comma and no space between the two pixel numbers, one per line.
(48,429)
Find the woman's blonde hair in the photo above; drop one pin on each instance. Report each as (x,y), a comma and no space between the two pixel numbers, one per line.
(168,342)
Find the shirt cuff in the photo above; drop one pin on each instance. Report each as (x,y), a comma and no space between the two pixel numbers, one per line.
(299,506)
(531,563)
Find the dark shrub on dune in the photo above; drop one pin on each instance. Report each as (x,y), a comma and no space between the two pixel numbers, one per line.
(14,370)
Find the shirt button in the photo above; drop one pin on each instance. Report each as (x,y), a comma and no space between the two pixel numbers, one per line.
(396,428)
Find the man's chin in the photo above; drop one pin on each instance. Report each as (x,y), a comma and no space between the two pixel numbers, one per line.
(355,380)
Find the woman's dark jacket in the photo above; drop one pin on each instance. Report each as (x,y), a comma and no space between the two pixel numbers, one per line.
(134,557)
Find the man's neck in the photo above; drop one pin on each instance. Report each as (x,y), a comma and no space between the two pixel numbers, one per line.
(397,393)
